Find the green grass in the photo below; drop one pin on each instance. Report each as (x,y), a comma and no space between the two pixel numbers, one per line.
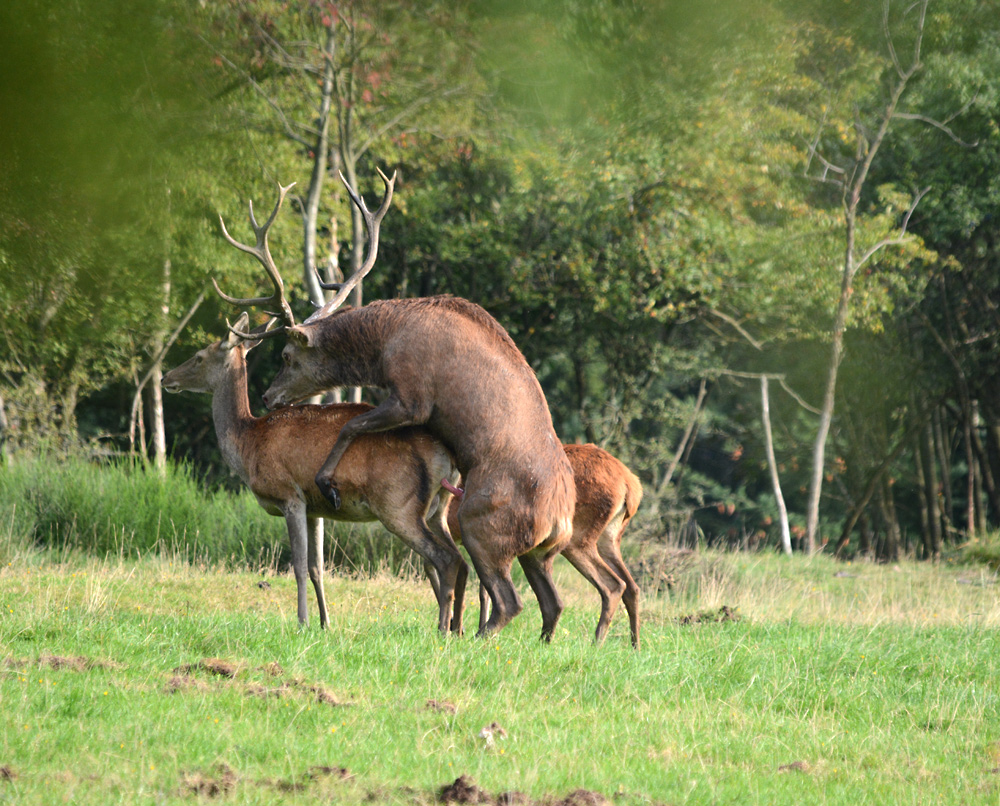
(122,509)
(879,687)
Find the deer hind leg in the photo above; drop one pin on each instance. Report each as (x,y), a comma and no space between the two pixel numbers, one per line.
(445,561)
(484,606)
(538,571)
(492,565)
(588,562)
(295,520)
(609,547)
(391,413)
(437,521)
(315,527)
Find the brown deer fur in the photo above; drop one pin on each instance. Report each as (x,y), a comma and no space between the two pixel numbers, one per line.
(391,477)
(607,496)
(448,365)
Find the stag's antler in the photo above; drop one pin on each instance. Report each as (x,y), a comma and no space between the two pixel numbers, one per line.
(372,223)
(262,252)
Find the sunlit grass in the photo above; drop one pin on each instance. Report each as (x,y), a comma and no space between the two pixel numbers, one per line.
(810,696)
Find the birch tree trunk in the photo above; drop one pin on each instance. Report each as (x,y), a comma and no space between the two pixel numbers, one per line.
(156,391)
(786,534)
(852,183)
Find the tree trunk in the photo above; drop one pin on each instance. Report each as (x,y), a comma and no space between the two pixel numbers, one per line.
(922,499)
(156,391)
(310,212)
(786,535)
(971,482)
(888,502)
(932,539)
(942,448)
(357,239)
(686,440)
(829,394)
(4,432)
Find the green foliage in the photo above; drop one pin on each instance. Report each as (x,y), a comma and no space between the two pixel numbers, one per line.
(632,189)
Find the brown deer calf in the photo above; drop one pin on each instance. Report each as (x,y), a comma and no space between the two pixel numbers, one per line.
(393,477)
(607,496)
(448,365)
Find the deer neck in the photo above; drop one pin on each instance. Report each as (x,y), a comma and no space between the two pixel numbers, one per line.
(232,416)
(352,343)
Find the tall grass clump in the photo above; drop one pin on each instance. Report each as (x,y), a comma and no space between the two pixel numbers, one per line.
(71,504)
(68,502)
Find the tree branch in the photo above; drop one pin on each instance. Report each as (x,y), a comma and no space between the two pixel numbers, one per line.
(899,239)
(136,400)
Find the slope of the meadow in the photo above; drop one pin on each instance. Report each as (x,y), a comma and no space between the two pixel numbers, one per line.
(760,680)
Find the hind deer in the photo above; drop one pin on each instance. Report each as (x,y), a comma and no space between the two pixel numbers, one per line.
(448,365)
(607,496)
(393,477)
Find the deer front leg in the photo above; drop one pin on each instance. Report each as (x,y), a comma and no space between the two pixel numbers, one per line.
(315,527)
(391,413)
(295,520)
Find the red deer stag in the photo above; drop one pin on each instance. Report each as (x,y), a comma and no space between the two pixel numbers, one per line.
(607,496)
(393,477)
(448,365)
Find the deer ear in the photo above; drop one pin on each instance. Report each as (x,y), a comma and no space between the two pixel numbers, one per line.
(241,324)
(300,336)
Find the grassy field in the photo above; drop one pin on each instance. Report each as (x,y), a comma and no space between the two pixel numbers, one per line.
(760,680)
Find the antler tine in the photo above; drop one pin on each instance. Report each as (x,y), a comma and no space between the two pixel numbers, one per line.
(372,223)
(259,333)
(261,251)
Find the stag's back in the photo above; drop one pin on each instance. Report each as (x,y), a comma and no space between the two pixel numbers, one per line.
(485,399)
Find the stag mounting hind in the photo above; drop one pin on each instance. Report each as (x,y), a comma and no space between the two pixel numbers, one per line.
(448,365)
(393,478)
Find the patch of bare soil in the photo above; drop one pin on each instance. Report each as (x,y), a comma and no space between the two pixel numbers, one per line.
(724,613)
(219,782)
(79,663)
(441,705)
(266,692)
(324,695)
(216,666)
(463,790)
(185,678)
(7,774)
(321,693)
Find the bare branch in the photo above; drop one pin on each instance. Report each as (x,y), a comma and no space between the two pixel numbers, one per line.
(286,124)
(774,376)
(737,327)
(137,399)
(896,241)
(937,124)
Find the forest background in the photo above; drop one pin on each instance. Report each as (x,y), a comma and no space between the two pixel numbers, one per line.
(685,214)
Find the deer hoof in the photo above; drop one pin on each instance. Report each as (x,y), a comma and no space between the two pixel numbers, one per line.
(329,492)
